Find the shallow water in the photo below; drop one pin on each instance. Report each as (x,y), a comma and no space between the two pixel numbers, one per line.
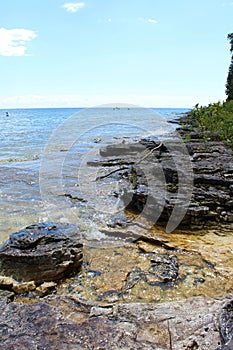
(57,185)
(32,139)
(124,274)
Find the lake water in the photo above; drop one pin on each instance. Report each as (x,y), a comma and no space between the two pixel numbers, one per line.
(25,132)
(59,141)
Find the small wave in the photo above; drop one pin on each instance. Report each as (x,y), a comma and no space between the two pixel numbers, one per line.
(19,160)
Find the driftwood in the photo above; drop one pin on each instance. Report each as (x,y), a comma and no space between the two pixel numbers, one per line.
(111,172)
(126,167)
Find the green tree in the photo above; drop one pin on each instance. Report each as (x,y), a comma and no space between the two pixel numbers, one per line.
(229,84)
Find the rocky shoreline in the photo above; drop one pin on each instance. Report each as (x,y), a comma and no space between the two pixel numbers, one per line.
(210,171)
(156,290)
(68,323)
(213,174)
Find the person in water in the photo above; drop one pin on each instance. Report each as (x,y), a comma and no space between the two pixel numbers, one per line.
(7,114)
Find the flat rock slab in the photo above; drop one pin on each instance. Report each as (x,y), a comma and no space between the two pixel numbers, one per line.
(209,170)
(71,324)
(41,253)
(226,326)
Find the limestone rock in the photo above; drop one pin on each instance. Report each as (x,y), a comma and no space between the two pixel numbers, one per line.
(45,287)
(187,324)
(6,282)
(213,178)
(24,287)
(41,253)
(10,284)
(226,326)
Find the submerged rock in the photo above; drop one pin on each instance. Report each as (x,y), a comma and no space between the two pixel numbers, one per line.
(162,272)
(41,253)
(164,267)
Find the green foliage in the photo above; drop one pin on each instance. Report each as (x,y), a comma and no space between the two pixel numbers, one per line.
(133,178)
(188,137)
(215,121)
(230,38)
(229,83)
(173,188)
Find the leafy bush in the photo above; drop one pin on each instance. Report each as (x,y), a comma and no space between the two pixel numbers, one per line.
(215,121)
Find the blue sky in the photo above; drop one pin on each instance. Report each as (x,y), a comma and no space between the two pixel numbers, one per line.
(153,53)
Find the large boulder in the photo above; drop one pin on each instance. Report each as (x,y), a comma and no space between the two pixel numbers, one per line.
(42,253)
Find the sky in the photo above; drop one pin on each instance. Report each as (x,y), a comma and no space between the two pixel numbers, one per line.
(152,53)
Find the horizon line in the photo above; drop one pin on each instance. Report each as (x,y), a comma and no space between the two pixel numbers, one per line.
(100,106)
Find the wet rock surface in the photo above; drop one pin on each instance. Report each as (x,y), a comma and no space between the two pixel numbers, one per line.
(164,267)
(68,323)
(42,252)
(151,175)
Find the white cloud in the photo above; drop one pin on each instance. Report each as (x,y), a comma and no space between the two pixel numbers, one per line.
(151,20)
(73,6)
(12,41)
